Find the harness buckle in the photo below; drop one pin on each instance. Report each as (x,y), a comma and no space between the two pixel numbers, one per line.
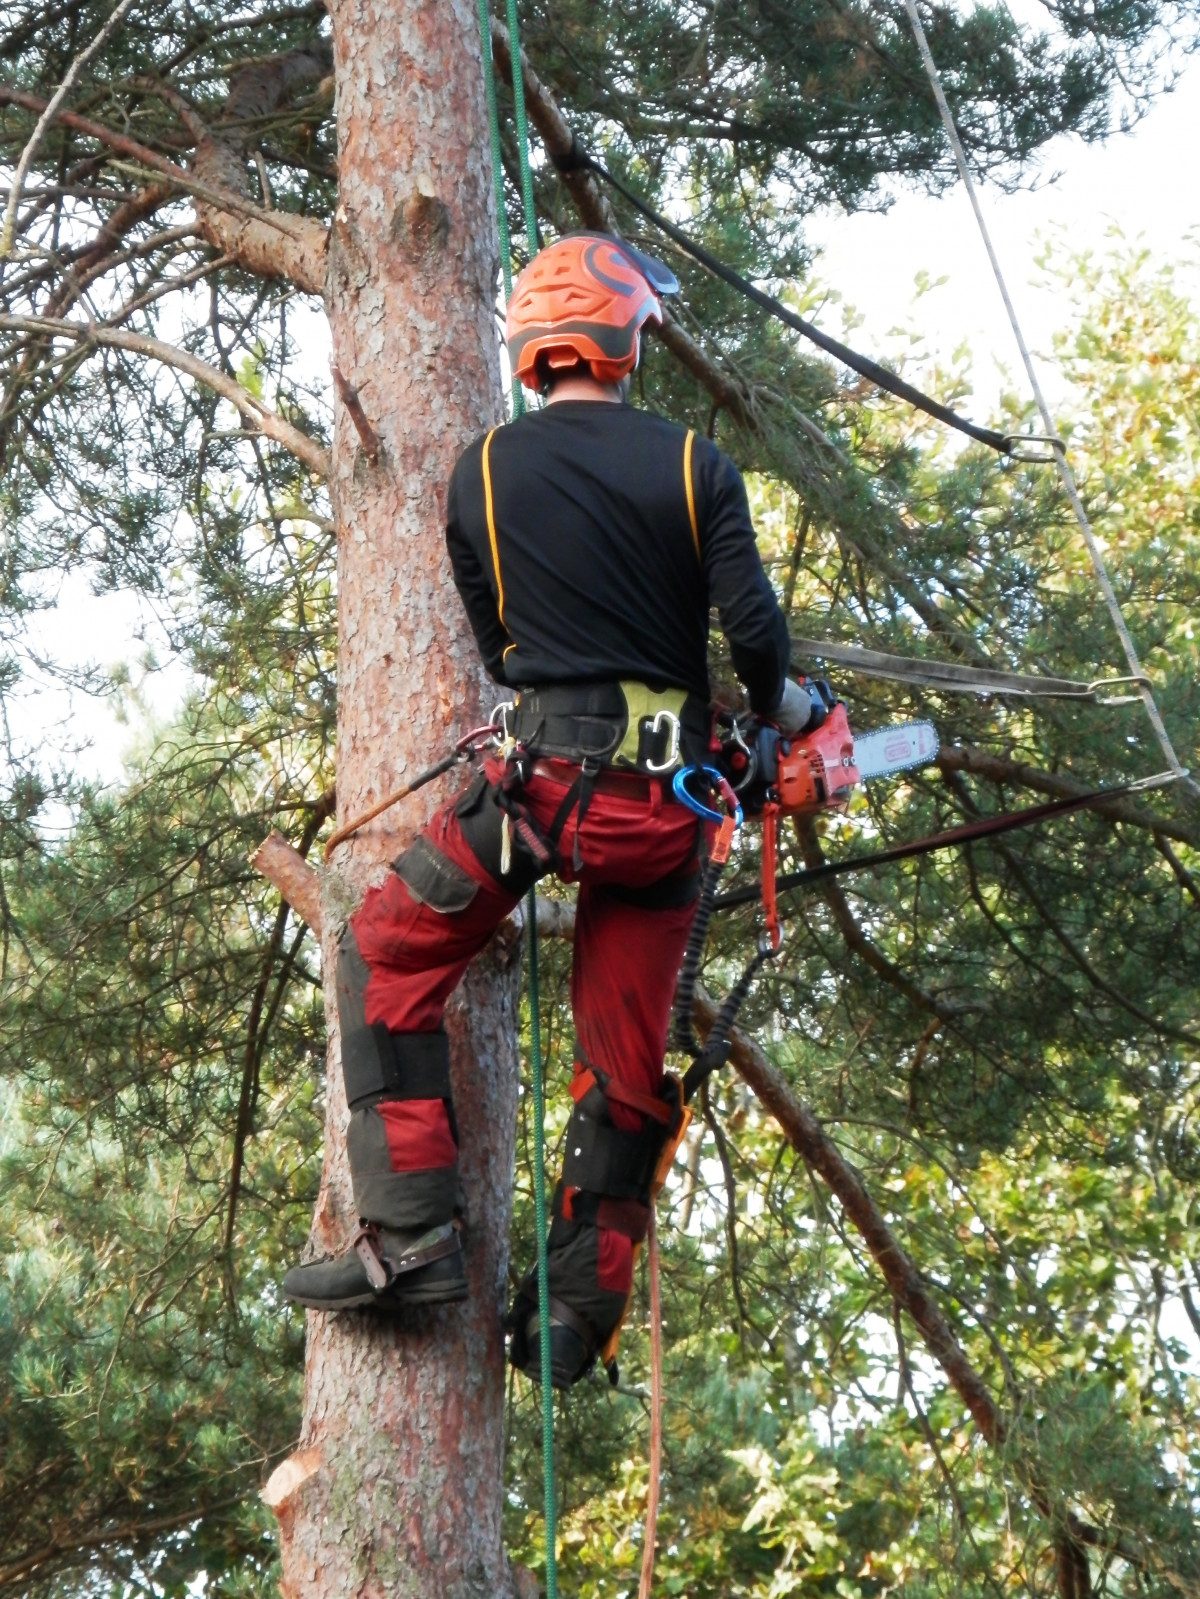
(365,1244)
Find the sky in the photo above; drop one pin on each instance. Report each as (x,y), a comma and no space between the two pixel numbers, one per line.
(1142,183)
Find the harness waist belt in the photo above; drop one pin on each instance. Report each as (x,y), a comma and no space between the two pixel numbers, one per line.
(626,725)
(624,785)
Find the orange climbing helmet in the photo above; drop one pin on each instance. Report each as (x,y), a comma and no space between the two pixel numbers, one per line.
(585,298)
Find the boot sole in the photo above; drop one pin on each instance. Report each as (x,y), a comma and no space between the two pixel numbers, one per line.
(448,1294)
(439,1283)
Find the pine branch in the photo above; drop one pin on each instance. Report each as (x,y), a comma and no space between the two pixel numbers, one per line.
(293,247)
(47,117)
(261,417)
(1000,769)
(127,1532)
(856,940)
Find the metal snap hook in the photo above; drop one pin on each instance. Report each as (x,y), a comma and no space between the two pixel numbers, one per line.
(668,719)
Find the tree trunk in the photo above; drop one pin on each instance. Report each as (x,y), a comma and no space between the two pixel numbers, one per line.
(397,1487)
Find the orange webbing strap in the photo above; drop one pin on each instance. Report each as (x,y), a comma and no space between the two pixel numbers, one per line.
(770,817)
(584,1081)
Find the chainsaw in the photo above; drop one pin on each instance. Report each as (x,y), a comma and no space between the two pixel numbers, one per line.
(817,769)
(765,773)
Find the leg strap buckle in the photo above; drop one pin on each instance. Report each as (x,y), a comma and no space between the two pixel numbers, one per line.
(365,1244)
(382,1271)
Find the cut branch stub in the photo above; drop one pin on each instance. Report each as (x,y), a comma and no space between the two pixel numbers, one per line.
(284,867)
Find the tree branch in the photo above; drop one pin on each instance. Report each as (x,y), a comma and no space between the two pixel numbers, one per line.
(595,210)
(294,247)
(728,392)
(853,936)
(261,417)
(283,865)
(1183,876)
(257,88)
(962,758)
(128,1532)
(907,1286)
(114,21)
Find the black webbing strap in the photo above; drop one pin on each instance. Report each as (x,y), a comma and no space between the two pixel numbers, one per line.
(715,1051)
(986,827)
(401,1066)
(577,159)
(682,1036)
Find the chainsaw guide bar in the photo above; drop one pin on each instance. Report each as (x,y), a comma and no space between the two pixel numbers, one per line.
(891,750)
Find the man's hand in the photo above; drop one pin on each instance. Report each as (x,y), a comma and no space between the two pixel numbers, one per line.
(798,709)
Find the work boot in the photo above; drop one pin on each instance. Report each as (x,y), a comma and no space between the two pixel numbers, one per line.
(385,1267)
(572,1343)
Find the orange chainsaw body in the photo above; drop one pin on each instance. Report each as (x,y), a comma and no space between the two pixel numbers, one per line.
(816,770)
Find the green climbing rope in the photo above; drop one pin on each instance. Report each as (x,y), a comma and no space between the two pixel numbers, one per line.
(518,88)
(489,87)
(539,1205)
(535,1015)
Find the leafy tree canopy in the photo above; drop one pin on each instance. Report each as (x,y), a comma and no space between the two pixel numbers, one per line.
(1003,1042)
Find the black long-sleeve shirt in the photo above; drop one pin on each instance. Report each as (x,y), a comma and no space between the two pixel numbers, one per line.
(588,541)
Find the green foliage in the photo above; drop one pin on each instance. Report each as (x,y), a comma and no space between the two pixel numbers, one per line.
(1003,1042)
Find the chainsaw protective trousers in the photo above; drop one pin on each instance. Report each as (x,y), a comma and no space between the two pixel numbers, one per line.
(405,950)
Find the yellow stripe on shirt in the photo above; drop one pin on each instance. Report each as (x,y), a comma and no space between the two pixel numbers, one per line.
(691,493)
(489,512)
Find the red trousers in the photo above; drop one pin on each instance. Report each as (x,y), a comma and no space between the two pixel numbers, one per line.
(418,931)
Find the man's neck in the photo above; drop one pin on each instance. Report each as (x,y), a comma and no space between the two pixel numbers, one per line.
(579,387)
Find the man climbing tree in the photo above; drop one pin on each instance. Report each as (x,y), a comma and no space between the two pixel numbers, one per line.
(589,541)
(191,189)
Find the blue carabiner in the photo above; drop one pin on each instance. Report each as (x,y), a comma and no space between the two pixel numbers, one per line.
(679,785)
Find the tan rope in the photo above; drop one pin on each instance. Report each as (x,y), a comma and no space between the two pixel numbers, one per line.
(656,1409)
(1060,455)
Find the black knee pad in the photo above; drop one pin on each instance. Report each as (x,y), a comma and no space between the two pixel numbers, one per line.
(375,1061)
(603,1160)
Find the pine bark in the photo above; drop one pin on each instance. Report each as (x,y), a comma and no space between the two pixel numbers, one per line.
(397,1487)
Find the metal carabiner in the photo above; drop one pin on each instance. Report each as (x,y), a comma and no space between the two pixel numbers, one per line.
(505,742)
(719,782)
(671,721)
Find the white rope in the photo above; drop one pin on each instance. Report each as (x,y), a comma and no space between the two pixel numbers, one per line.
(1060,457)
